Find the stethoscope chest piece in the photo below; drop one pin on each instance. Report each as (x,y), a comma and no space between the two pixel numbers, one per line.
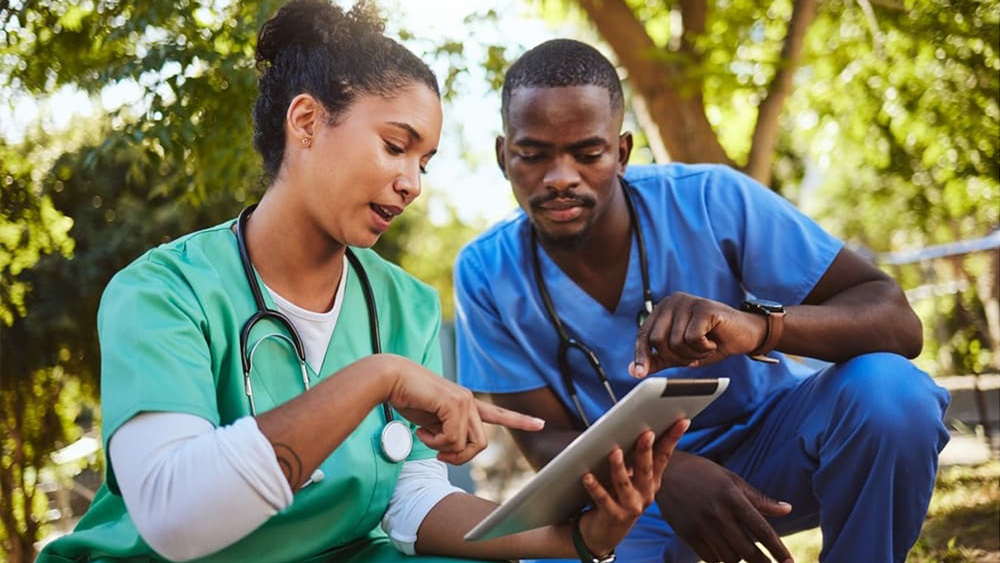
(396,441)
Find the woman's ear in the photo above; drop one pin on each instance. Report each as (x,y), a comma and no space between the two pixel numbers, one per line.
(301,119)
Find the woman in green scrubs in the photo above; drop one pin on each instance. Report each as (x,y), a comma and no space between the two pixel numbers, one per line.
(345,122)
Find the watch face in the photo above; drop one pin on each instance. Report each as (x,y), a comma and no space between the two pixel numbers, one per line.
(763,305)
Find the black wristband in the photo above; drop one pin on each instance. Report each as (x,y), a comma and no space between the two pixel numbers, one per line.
(583,552)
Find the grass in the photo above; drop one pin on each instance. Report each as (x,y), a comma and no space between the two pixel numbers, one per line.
(962,525)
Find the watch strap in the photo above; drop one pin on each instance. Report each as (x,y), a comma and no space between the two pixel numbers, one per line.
(775,328)
(583,552)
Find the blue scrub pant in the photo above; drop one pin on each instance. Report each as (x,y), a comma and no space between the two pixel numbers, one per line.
(853,448)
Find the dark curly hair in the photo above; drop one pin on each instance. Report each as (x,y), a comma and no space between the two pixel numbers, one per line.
(315,47)
(561,62)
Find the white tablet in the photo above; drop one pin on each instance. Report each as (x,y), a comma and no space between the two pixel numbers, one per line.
(556,492)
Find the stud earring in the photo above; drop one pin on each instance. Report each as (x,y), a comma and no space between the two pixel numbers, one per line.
(306,142)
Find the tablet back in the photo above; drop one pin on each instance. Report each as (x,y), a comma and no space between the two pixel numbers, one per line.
(556,493)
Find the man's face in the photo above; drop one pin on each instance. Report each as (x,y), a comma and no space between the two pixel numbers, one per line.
(563,154)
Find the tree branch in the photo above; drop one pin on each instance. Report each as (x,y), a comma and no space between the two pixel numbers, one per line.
(693,16)
(680,118)
(765,134)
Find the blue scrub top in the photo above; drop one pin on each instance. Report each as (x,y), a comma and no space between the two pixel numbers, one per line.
(709,231)
(169,327)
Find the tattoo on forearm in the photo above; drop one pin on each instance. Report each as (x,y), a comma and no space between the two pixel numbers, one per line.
(290,463)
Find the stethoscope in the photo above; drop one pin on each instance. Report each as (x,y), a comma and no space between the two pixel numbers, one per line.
(395,438)
(566,342)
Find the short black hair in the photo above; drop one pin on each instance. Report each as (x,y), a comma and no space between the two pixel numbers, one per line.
(561,62)
(315,47)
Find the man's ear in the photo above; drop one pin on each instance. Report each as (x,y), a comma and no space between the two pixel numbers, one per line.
(304,111)
(624,150)
(501,156)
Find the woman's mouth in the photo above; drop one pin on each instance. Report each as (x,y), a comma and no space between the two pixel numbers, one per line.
(384,214)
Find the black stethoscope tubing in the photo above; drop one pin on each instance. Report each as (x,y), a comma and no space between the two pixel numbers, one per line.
(566,342)
(265,312)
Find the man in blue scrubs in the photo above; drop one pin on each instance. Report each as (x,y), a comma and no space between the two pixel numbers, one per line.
(737,278)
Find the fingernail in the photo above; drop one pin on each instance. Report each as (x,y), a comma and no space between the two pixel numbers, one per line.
(588,479)
(783,503)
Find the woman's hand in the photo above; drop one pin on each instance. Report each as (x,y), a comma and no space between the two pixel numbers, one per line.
(633,490)
(449,416)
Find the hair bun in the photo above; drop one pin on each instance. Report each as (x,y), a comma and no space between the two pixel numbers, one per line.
(307,23)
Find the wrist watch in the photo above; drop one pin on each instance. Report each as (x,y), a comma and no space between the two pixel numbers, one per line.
(586,556)
(774,313)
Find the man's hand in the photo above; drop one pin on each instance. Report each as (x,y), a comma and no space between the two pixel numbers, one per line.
(685,330)
(718,514)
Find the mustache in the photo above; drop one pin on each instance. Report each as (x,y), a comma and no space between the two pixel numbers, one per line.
(582,200)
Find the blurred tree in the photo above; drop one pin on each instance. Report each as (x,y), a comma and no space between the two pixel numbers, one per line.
(30,229)
(49,347)
(716,77)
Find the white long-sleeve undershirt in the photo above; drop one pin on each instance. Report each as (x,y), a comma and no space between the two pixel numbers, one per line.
(192,489)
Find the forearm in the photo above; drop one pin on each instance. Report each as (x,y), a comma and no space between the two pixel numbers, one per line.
(540,447)
(445,526)
(870,317)
(305,430)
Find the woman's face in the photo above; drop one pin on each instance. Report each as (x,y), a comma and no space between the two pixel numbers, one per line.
(362,171)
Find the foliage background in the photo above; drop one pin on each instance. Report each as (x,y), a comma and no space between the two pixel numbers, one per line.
(879,118)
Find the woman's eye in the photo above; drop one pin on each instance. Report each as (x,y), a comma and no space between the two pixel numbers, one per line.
(393,148)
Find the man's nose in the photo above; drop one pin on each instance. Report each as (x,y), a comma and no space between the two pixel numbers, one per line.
(562,175)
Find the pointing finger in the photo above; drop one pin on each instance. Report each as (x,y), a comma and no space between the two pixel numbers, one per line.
(494,414)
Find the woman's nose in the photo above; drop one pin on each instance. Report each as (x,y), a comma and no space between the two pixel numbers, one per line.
(407,184)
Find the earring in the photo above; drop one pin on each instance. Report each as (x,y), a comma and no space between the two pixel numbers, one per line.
(305,142)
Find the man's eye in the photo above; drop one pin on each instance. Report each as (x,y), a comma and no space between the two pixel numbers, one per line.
(530,157)
(588,157)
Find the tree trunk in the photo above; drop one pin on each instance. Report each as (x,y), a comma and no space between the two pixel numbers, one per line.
(680,117)
(17,493)
(765,133)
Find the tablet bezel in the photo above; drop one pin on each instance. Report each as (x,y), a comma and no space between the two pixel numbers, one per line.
(556,492)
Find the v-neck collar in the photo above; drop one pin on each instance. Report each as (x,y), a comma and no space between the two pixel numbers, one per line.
(563,288)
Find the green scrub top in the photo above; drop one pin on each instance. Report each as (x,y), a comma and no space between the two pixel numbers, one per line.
(169,327)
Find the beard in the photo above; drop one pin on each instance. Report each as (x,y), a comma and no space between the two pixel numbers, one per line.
(562,241)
